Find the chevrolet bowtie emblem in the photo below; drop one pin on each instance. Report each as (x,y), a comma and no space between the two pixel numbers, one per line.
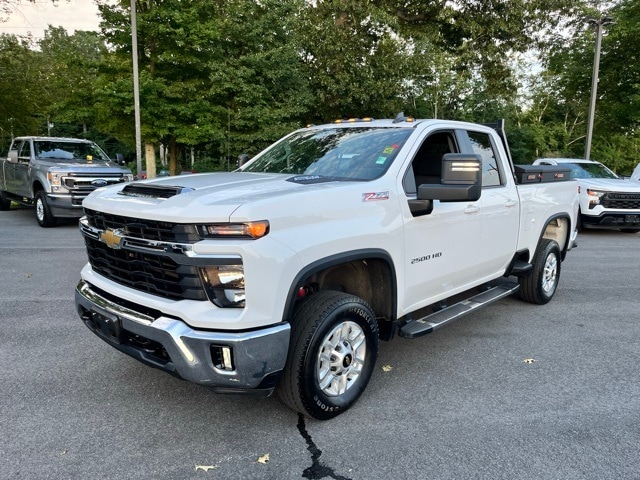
(111,238)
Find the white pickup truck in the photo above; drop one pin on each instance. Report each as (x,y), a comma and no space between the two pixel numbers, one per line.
(285,273)
(606,200)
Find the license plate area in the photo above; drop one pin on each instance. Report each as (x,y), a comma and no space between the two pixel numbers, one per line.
(107,326)
(632,219)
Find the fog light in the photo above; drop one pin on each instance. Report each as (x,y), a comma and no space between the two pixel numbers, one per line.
(222,358)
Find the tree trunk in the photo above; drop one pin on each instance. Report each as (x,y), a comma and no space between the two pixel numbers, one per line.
(150,159)
(173,156)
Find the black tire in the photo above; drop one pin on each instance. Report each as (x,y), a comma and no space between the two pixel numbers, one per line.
(333,350)
(630,230)
(579,225)
(43,212)
(5,203)
(541,285)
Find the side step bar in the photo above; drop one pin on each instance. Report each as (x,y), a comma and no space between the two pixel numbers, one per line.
(422,326)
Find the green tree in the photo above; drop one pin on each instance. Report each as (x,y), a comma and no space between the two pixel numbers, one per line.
(72,63)
(24,99)
(210,72)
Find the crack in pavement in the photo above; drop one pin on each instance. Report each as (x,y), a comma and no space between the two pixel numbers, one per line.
(317,470)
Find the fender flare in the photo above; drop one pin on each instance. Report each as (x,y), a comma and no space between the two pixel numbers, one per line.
(338,259)
(560,215)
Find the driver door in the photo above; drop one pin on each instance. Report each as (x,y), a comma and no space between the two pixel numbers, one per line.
(441,247)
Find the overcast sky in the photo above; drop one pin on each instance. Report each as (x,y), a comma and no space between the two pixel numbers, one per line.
(70,14)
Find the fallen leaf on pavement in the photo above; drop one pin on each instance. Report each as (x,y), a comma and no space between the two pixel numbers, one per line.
(206,468)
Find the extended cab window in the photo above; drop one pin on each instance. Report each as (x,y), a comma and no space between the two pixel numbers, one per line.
(482,145)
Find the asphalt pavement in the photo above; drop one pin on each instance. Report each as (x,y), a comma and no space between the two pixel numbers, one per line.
(514,391)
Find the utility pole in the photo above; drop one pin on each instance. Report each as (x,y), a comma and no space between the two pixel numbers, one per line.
(599,23)
(136,88)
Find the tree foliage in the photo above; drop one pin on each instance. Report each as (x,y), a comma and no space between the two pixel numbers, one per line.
(222,78)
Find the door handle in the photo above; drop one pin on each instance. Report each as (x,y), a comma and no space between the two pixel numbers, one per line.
(472,209)
(510,203)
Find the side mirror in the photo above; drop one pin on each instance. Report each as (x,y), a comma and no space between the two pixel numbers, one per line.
(461,180)
(12,156)
(120,159)
(242,159)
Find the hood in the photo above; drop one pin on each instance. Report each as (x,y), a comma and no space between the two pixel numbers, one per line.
(610,184)
(208,197)
(84,167)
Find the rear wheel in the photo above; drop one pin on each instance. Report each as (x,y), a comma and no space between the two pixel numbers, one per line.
(43,211)
(334,345)
(630,230)
(541,285)
(5,202)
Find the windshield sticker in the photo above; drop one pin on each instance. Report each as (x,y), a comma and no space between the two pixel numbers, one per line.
(381,160)
(388,150)
(375,196)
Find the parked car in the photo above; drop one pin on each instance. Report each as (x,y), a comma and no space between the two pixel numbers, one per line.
(606,200)
(635,176)
(55,175)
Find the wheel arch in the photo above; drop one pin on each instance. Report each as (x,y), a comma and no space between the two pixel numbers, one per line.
(369,274)
(558,228)
(36,187)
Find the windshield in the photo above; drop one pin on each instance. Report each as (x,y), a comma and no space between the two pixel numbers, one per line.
(85,152)
(338,153)
(590,170)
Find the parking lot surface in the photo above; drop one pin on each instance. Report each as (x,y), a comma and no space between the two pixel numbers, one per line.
(514,391)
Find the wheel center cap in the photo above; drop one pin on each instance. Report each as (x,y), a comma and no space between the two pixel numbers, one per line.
(347,360)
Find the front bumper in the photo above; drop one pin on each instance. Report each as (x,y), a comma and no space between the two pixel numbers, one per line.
(612,220)
(257,357)
(65,205)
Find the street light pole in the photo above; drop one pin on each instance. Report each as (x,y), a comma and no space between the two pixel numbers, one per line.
(599,23)
(136,88)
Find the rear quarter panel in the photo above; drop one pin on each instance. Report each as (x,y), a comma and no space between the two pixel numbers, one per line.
(542,202)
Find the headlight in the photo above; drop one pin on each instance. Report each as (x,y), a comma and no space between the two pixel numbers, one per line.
(238,230)
(128,177)
(594,197)
(225,284)
(55,179)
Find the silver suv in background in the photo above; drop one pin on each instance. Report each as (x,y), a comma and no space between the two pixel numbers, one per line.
(55,174)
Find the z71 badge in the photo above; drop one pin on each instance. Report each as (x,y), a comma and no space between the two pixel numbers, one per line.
(375,196)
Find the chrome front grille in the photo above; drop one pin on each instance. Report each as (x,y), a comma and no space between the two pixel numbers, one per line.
(86,183)
(145,255)
(144,229)
(149,272)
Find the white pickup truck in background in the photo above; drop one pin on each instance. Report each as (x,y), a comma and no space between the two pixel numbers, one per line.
(606,200)
(284,274)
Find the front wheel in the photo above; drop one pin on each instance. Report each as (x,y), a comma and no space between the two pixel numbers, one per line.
(334,345)
(43,212)
(541,285)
